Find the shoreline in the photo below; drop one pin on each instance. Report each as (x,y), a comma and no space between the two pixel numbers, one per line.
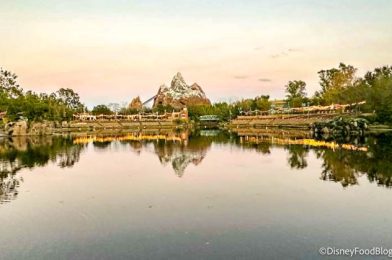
(300,123)
(22,128)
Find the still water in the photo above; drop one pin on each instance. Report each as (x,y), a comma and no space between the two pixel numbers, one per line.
(207,194)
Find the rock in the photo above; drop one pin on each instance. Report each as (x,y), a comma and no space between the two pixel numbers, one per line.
(64,124)
(341,126)
(21,128)
(38,128)
(16,128)
(325,130)
(136,104)
(180,95)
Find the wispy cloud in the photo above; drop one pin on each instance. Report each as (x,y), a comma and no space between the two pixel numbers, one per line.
(278,55)
(294,50)
(285,53)
(241,77)
(264,80)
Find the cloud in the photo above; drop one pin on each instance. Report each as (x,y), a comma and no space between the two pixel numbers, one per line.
(258,48)
(294,50)
(241,77)
(264,80)
(284,53)
(278,55)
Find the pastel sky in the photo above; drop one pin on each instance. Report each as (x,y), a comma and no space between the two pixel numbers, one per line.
(111,51)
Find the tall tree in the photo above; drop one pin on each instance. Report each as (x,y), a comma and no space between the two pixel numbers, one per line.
(70,98)
(8,85)
(102,109)
(262,103)
(296,92)
(115,107)
(334,83)
(378,85)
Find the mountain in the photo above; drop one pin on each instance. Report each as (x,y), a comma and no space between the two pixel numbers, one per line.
(180,95)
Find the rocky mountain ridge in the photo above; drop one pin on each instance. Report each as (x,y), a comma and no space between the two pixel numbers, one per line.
(180,95)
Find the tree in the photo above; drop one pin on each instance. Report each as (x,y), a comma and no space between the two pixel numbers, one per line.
(101,109)
(262,103)
(163,108)
(371,77)
(115,107)
(9,88)
(296,92)
(378,85)
(335,82)
(245,104)
(70,98)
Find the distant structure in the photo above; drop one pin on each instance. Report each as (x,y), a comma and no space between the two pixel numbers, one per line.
(209,118)
(209,121)
(180,95)
(84,117)
(279,109)
(136,104)
(171,116)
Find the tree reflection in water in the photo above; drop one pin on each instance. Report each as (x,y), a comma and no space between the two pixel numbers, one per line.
(27,152)
(379,165)
(297,156)
(338,165)
(346,166)
(181,149)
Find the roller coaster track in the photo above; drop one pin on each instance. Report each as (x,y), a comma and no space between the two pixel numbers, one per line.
(148,100)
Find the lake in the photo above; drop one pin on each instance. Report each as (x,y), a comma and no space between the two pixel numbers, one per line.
(192,195)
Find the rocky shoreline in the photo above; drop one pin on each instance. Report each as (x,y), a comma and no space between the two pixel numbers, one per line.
(317,124)
(25,128)
(320,126)
(341,127)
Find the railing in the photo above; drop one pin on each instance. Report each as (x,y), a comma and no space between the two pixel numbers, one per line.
(134,117)
(314,110)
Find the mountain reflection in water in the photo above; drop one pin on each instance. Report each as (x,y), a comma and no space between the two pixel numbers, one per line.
(342,163)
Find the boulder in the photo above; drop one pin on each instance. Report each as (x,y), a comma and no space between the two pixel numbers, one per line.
(341,126)
(22,128)
(41,128)
(17,128)
(64,124)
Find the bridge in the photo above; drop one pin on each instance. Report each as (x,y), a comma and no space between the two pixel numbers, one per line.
(209,118)
(209,121)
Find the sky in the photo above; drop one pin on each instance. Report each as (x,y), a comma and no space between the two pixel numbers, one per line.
(112,51)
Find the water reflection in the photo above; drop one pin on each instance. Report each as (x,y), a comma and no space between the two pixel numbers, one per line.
(180,155)
(346,166)
(341,162)
(297,156)
(28,152)
(191,151)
